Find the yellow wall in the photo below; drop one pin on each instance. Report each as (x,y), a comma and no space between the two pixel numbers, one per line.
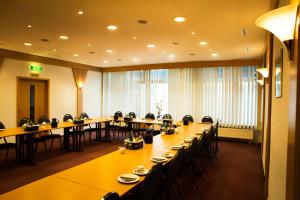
(279,131)
(63,92)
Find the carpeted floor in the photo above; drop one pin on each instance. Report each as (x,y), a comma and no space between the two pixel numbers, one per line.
(236,174)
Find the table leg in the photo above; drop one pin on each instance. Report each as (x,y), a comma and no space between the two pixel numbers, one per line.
(29,149)
(67,138)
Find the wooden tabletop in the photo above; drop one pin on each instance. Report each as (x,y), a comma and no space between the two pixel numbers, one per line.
(20,131)
(52,188)
(99,176)
(102,172)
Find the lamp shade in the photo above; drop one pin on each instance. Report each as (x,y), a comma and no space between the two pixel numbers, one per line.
(264,72)
(261,82)
(280,22)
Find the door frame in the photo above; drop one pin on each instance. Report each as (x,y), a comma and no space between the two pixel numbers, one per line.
(31,79)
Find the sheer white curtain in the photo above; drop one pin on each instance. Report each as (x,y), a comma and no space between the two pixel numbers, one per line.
(159,91)
(125,92)
(185,86)
(227,94)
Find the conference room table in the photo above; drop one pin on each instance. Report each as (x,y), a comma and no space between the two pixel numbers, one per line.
(97,177)
(24,139)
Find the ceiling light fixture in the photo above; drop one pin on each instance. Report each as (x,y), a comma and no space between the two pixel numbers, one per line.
(109,51)
(142,21)
(80,12)
(133,37)
(112,27)
(150,45)
(105,61)
(203,43)
(63,37)
(27,44)
(244,32)
(261,82)
(281,22)
(76,55)
(29,26)
(54,49)
(171,56)
(214,54)
(193,33)
(179,19)
(89,45)
(135,59)
(263,71)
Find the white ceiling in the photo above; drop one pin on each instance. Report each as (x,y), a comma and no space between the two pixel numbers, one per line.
(219,22)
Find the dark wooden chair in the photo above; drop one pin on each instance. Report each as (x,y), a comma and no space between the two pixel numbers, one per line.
(6,145)
(37,137)
(49,135)
(89,128)
(207,119)
(188,117)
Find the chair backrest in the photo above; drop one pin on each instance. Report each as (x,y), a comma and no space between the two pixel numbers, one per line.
(132,114)
(23,121)
(188,117)
(84,116)
(2,125)
(43,119)
(207,119)
(111,196)
(152,186)
(119,113)
(167,116)
(67,117)
(150,116)
(175,165)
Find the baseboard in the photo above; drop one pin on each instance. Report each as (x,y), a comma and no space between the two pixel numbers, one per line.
(240,140)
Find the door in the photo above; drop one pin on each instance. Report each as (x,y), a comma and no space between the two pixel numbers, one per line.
(32,98)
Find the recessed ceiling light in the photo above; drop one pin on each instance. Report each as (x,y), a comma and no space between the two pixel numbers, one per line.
(125,55)
(29,26)
(133,37)
(54,49)
(135,59)
(171,56)
(142,21)
(112,27)
(193,33)
(80,12)
(44,40)
(244,32)
(105,61)
(214,54)
(27,44)
(109,51)
(89,45)
(150,45)
(163,51)
(76,55)
(179,19)
(203,43)
(63,37)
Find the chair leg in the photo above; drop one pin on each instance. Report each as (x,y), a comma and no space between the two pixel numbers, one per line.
(36,146)
(45,145)
(51,145)
(60,142)
(7,151)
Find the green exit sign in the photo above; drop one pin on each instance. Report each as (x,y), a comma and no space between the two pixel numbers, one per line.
(35,68)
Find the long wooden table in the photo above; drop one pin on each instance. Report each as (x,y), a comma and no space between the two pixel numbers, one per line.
(24,139)
(101,173)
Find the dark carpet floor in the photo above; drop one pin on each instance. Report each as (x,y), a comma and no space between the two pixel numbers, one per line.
(235,174)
